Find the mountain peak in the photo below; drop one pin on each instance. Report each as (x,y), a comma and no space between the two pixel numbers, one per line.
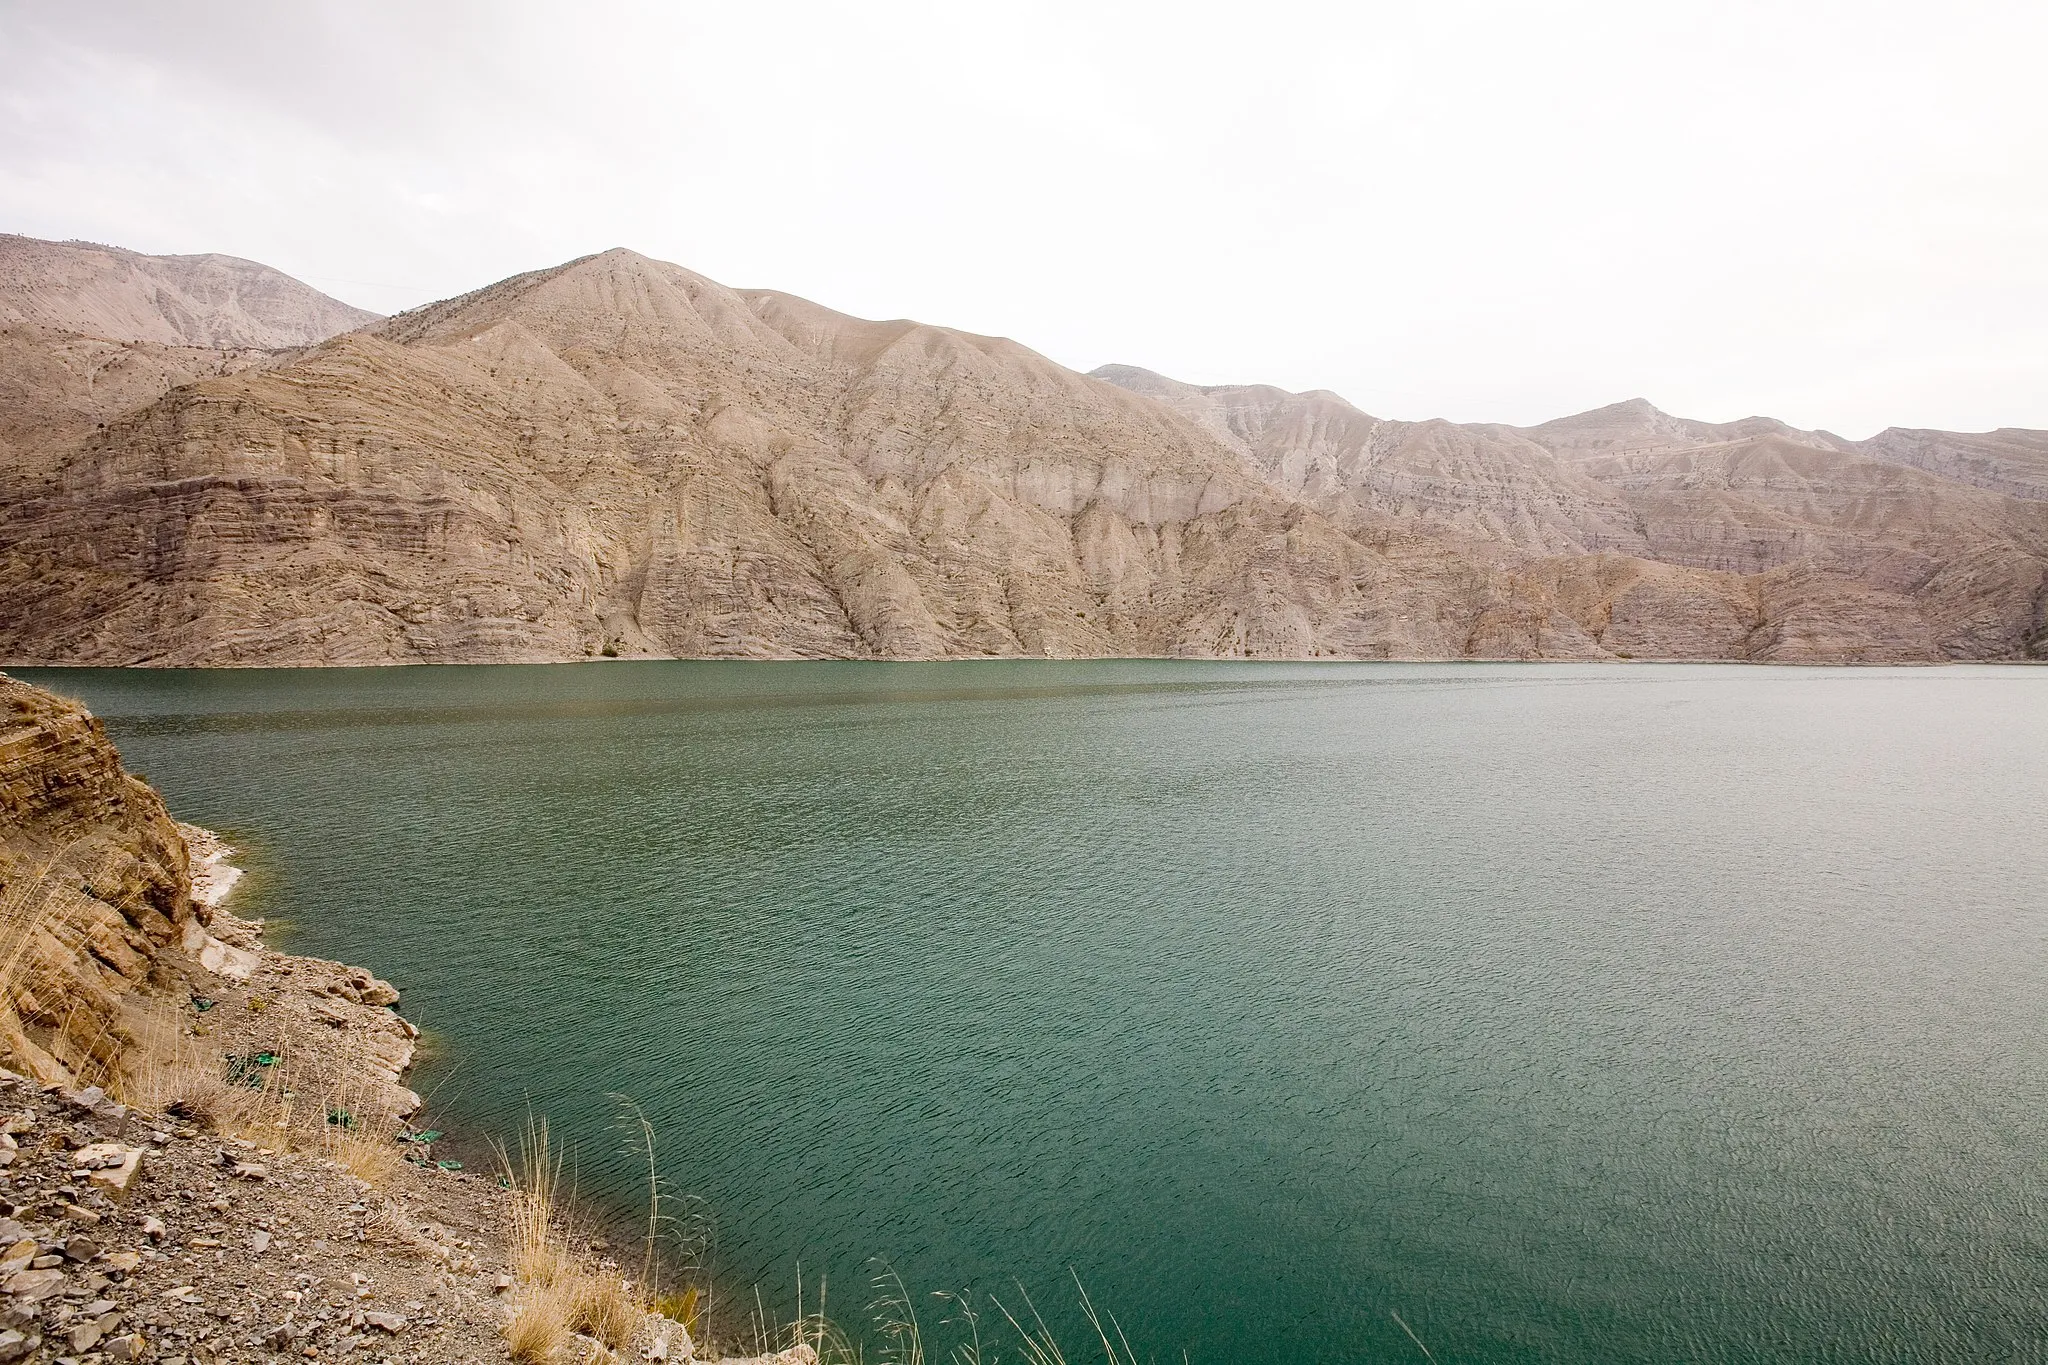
(1138,379)
(1639,409)
(206,300)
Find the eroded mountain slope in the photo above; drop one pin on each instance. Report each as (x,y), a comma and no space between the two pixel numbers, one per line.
(209,301)
(1841,555)
(1491,486)
(2008,460)
(620,455)
(617,456)
(89,334)
(57,388)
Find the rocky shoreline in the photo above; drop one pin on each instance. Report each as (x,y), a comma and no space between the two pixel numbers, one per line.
(211,1246)
(300,996)
(210,1228)
(206,1153)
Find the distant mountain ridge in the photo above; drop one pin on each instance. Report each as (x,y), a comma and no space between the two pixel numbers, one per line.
(618,456)
(210,301)
(2008,460)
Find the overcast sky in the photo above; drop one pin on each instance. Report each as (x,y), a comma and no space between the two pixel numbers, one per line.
(1836,214)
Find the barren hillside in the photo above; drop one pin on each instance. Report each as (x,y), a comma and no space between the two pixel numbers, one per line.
(619,457)
(1849,551)
(117,295)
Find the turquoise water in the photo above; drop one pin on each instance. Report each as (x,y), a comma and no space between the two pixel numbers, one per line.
(1573,1014)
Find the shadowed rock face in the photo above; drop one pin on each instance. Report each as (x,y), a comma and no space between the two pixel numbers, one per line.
(94,883)
(619,456)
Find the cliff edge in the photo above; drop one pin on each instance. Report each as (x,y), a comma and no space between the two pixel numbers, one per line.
(95,884)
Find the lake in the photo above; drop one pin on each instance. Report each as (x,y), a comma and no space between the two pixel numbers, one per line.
(1573,1014)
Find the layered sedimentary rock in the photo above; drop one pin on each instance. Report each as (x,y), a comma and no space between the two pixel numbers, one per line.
(1815,546)
(108,909)
(2006,461)
(89,333)
(617,456)
(57,388)
(94,884)
(622,456)
(1490,486)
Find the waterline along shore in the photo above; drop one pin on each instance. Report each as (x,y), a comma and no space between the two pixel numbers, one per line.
(1555,1008)
(207,1153)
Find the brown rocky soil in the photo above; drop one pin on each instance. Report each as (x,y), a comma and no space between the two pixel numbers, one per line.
(221,1249)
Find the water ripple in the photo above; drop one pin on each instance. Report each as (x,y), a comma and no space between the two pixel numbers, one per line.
(1575,1014)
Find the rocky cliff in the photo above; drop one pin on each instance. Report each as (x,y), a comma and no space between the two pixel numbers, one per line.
(95,882)
(109,922)
(619,457)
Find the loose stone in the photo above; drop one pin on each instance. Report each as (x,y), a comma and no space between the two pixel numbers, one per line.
(126,1348)
(34,1284)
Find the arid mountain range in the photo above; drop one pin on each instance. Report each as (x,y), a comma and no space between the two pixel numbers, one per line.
(89,332)
(212,301)
(619,457)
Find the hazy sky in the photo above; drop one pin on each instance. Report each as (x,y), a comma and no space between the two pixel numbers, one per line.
(1833,213)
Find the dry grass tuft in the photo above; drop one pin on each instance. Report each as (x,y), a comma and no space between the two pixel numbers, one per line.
(539,1327)
(538,1254)
(604,1306)
(170,1071)
(167,1069)
(356,1131)
(563,1292)
(368,1157)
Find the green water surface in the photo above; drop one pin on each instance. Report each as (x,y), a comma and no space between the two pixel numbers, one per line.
(1574,1014)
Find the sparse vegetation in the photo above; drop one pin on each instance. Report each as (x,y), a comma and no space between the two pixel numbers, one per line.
(604,1306)
(172,1071)
(539,1326)
(563,1291)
